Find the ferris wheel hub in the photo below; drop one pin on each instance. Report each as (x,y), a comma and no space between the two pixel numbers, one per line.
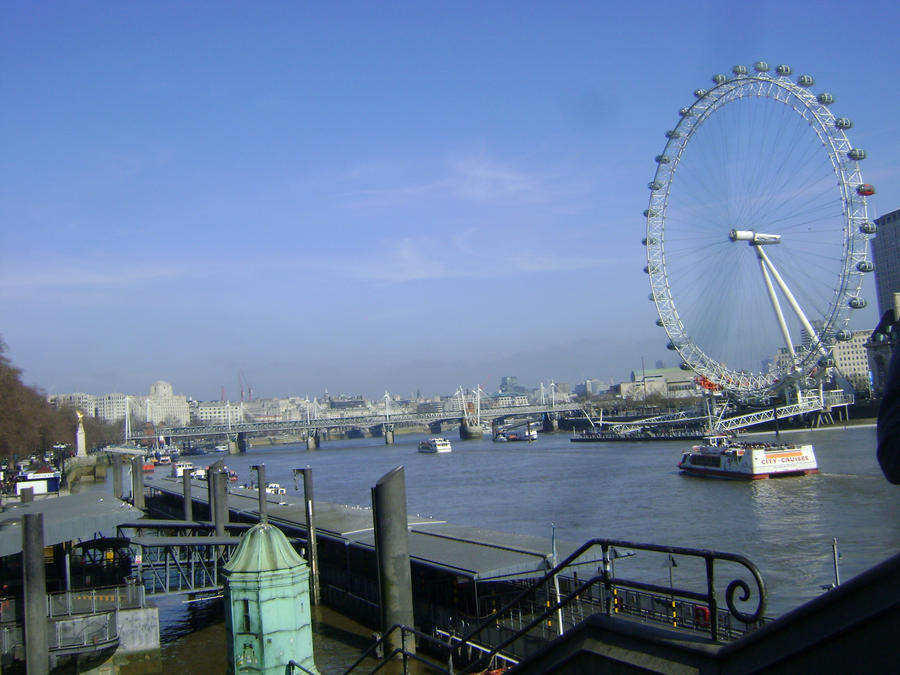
(754,238)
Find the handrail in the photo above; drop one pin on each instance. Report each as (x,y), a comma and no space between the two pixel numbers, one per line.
(403,651)
(129,596)
(607,578)
(289,668)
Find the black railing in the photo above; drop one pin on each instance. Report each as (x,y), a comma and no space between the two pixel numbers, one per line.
(541,611)
(707,598)
(405,654)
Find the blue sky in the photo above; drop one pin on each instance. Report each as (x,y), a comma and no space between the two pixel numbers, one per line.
(368,196)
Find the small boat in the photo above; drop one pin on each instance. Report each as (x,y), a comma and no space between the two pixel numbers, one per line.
(433,445)
(178,468)
(220,448)
(722,457)
(518,432)
(149,466)
(275,489)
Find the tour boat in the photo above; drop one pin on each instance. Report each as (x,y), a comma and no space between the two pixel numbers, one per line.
(435,445)
(275,489)
(722,457)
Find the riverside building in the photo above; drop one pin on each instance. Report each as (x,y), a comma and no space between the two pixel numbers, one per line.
(886,255)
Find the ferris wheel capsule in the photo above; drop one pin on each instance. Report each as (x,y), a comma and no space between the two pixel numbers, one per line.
(719,78)
(857,154)
(825,98)
(806,81)
(865,190)
(739,70)
(868,227)
(783,70)
(858,303)
(761,67)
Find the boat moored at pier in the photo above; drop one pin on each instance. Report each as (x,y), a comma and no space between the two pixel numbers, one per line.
(722,457)
(435,445)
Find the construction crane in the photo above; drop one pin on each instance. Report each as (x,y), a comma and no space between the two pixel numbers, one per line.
(243,381)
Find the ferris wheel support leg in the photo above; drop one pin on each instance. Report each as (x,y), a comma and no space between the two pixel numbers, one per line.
(792,301)
(775,304)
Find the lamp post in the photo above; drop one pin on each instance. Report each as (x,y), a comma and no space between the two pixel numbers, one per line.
(310,530)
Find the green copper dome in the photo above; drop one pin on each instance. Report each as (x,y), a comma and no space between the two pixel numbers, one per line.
(263,548)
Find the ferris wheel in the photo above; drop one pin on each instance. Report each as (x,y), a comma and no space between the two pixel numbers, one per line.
(757,232)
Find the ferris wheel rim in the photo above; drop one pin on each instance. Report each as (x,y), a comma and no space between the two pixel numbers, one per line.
(831,132)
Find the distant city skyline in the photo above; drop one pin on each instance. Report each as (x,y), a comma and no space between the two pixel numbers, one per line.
(366,197)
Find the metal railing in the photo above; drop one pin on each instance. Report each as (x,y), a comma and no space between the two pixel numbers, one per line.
(95,600)
(80,620)
(406,654)
(560,600)
(94,631)
(684,608)
(181,568)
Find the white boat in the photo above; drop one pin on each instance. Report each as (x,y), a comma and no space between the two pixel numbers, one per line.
(722,457)
(178,468)
(275,489)
(435,445)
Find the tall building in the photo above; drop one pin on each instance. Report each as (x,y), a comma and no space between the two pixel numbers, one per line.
(886,254)
(86,403)
(113,407)
(217,412)
(508,384)
(851,360)
(163,406)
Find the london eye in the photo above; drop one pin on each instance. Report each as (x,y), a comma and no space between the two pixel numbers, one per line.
(757,232)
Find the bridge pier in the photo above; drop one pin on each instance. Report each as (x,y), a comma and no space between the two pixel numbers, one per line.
(551,422)
(388,431)
(243,442)
(312,439)
(435,427)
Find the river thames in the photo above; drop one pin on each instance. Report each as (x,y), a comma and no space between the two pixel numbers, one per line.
(629,491)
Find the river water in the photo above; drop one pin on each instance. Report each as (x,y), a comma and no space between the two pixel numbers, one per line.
(629,491)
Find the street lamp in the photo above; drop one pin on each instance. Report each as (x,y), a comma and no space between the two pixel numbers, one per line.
(310,529)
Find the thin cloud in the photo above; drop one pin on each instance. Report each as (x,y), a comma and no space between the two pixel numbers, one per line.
(422,258)
(61,274)
(483,179)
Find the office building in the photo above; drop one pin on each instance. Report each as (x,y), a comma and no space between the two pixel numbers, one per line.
(886,256)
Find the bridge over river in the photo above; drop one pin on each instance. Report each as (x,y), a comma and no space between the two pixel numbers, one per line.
(378,422)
